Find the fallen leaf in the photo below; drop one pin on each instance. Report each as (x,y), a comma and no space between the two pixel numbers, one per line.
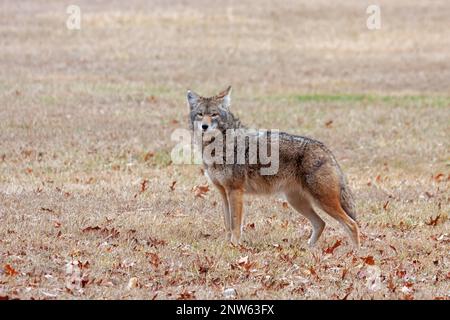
(348,291)
(84,265)
(312,271)
(151,99)
(127,264)
(400,273)
(200,190)
(204,265)
(429,194)
(393,248)
(87,229)
(368,260)
(203,269)
(385,205)
(287,257)
(154,242)
(76,279)
(148,156)
(344,273)
(50,295)
(132,283)
(172,186)
(229,293)
(27,153)
(109,233)
(331,249)
(433,222)
(391,285)
(144,185)
(90,180)
(405,290)
(154,259)
(438,177)
(443,237)
(244,264)
(186,295)
(329,123)
(243,260)
(277,246)
(10,271)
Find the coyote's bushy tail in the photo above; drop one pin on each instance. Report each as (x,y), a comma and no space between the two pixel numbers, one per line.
(347,201)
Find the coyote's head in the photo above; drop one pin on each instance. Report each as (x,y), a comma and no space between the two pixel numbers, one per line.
(212,113)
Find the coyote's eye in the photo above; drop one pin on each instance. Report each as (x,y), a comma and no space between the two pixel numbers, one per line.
(214,115)
(199,114)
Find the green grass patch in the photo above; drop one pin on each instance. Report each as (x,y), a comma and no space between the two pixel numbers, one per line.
(394,100)
(128,88)
(331,98)
(49,100)
(161,159)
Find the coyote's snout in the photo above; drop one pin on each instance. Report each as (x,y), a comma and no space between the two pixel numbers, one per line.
(307,172)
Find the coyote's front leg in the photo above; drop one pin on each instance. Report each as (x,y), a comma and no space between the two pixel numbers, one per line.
(226,210)
(235,202)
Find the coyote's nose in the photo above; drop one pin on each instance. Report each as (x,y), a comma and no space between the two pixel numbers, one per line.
(204,127)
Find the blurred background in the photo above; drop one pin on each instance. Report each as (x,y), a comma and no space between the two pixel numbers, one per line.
(255,45)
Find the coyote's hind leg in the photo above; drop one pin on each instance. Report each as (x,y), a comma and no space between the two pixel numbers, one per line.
(303,205)
(333,208)
(324,185)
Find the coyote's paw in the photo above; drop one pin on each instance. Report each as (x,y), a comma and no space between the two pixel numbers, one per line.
(235,240)
(316,233)
(312,242)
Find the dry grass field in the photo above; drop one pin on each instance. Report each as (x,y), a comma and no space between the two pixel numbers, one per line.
(91,206)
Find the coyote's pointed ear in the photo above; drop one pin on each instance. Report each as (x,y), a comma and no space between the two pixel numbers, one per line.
(226,96)
(192,98)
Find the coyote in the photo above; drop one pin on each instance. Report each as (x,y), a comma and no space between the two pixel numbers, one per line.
(308,174)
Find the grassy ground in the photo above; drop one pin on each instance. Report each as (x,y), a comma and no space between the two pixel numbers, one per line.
(88,204)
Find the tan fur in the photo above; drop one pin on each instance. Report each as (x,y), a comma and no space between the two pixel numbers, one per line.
(308,174)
